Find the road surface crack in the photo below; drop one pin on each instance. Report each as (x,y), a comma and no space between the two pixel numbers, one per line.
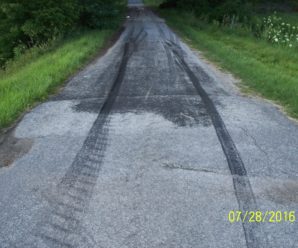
(174,166)
(254,141)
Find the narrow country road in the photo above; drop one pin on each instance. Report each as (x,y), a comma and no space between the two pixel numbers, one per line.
(150,146)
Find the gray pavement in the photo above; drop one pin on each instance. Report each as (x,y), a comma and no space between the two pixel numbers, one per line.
(149,146)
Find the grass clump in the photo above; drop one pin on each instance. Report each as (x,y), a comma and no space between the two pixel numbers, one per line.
(269,69)
(35,74)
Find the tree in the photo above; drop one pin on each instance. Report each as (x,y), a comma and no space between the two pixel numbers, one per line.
(27,23)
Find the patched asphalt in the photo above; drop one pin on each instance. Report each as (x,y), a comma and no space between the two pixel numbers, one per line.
(149,146)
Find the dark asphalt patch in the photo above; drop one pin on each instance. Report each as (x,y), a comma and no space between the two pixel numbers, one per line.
(13,148)
(89,105)
(180,110)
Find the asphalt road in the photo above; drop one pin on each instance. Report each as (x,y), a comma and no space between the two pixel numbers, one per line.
(149,146)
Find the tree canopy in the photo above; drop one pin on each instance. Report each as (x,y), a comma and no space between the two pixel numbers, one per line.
(219,9)
(26,23)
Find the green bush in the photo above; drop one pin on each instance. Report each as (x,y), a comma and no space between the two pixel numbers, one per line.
(222,10)
(218,10)
(27,23)
(100,13)
(279,32)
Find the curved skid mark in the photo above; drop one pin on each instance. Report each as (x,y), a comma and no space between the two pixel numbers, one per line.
(243,190)
(62,227)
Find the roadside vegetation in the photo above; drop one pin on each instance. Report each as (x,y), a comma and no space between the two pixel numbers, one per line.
(27,24)
(153,3)
(43,42)
(261,48)
(30,79)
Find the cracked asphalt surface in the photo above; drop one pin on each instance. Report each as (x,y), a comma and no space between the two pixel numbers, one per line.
(149,146)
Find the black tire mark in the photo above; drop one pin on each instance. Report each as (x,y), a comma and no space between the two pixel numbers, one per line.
(62,227)
(243,190)
(170,59)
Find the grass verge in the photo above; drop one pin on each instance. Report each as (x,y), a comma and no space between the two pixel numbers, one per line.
(271,71)
(23,85)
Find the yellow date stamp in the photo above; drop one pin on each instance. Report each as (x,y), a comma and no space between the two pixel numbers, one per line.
(261,217)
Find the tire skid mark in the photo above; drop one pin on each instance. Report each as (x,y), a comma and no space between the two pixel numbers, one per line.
(243,190)
(170,58)
(62,227)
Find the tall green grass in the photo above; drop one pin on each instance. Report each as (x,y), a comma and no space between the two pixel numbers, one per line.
(269,70)
(22,85)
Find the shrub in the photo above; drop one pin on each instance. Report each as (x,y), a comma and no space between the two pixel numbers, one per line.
(215,9)
(28,23)
(100,13)
(276,31)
